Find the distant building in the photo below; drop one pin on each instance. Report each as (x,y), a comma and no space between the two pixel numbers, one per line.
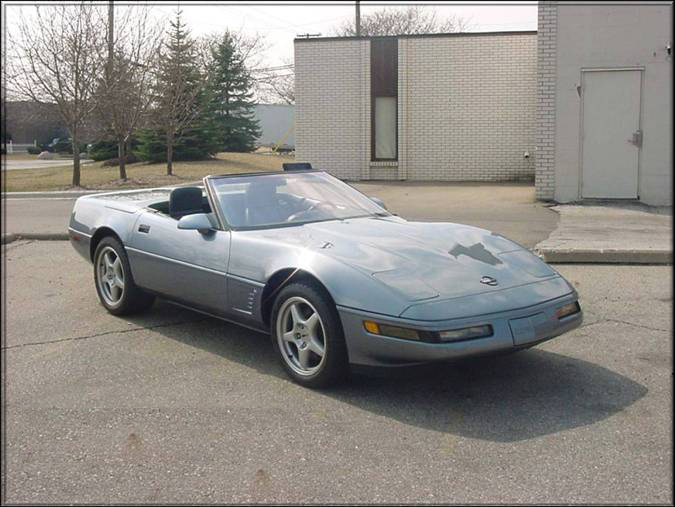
(276,125)
(28,122)
(605,102)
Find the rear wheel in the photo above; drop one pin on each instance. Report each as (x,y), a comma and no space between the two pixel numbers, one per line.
(308,336)
(114,283)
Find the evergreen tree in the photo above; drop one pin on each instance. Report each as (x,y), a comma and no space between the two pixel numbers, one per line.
(230,93)
(181,130)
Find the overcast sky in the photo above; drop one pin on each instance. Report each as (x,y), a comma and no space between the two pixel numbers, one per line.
(280,23)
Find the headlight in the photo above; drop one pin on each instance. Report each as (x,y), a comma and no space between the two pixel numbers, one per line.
(466,333)
(427,336)
(567,310)
(393,331)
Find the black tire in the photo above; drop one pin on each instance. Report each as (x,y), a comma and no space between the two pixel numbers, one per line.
(334,367)
(132,299)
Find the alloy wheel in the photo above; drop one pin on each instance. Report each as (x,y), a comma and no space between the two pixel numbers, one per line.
(301,336)
(110,276)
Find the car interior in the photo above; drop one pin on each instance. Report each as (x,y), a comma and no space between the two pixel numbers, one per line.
(259,204)
(183,201)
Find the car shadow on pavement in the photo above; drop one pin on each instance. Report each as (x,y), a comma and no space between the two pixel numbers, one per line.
(499,398)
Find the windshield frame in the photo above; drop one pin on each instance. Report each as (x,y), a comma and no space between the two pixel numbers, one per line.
(216,205)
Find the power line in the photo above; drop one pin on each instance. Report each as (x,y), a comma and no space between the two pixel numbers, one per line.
(271,69)
(269,79)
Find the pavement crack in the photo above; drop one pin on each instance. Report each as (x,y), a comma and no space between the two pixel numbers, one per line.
(96,335)
(602,321)
(16,244)
(638,325)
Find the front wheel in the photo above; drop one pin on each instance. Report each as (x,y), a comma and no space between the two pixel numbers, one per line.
(307,334)
(114,283)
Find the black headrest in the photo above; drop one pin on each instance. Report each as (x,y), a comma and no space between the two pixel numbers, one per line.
(296,166)
(184,201)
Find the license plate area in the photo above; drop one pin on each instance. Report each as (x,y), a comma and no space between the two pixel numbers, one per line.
(528,329)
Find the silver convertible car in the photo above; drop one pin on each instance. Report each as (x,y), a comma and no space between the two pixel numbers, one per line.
(327,271)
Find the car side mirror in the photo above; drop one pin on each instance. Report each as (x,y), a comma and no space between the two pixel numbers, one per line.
(378,201)
(197,221)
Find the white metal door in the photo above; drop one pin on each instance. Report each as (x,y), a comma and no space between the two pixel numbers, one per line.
(611,134)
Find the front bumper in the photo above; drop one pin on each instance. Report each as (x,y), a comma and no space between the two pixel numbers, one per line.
(513,329)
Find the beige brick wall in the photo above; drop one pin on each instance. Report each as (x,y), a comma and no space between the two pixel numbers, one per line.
(332,106)
(466,108)
(470,111)
(544,180)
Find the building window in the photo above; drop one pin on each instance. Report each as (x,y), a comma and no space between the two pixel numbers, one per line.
(385,128)
(384,98)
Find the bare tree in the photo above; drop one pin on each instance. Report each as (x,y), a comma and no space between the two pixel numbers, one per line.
(124,88)
(55,59)
(411,20)
(284,87)
(252,47)
(276,84)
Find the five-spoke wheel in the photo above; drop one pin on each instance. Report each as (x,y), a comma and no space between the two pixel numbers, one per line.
(308,335)
(301,335)
(110,276)
(114,282)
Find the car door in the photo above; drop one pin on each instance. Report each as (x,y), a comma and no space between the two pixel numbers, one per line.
(185,265)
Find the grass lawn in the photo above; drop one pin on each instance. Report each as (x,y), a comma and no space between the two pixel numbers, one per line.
(95,176)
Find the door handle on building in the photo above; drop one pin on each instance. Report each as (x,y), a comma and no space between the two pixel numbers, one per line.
(637,139)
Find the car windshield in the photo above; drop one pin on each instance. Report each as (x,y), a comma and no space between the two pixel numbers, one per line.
(267,200)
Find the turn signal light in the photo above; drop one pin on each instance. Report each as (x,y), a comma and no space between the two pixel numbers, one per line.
(567,310)
(393,331)
(371,326)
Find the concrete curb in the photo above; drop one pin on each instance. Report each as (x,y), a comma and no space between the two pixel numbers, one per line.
(73,194)
(7,238)
(41,236)
(605,256)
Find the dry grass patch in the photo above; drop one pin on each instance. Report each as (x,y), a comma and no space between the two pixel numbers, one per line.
(95,176)
(19,156)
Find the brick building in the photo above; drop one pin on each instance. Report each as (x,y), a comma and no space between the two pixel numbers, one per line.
(453,107)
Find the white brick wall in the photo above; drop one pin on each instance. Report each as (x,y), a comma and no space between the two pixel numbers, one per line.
(470,106)
(332,106)
(466,107)
(544,180)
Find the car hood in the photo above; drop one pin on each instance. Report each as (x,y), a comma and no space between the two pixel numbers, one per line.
(421,260)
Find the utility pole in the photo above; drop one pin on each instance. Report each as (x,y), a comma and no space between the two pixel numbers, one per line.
(358,18)
(111,39)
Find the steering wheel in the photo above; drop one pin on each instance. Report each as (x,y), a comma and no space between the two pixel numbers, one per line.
(314,206)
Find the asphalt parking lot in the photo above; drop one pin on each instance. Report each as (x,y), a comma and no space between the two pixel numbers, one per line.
(174,407)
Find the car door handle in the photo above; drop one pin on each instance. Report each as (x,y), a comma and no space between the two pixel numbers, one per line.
(144,228)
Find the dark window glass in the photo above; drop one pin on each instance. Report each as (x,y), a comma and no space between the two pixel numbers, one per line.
(384,98)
